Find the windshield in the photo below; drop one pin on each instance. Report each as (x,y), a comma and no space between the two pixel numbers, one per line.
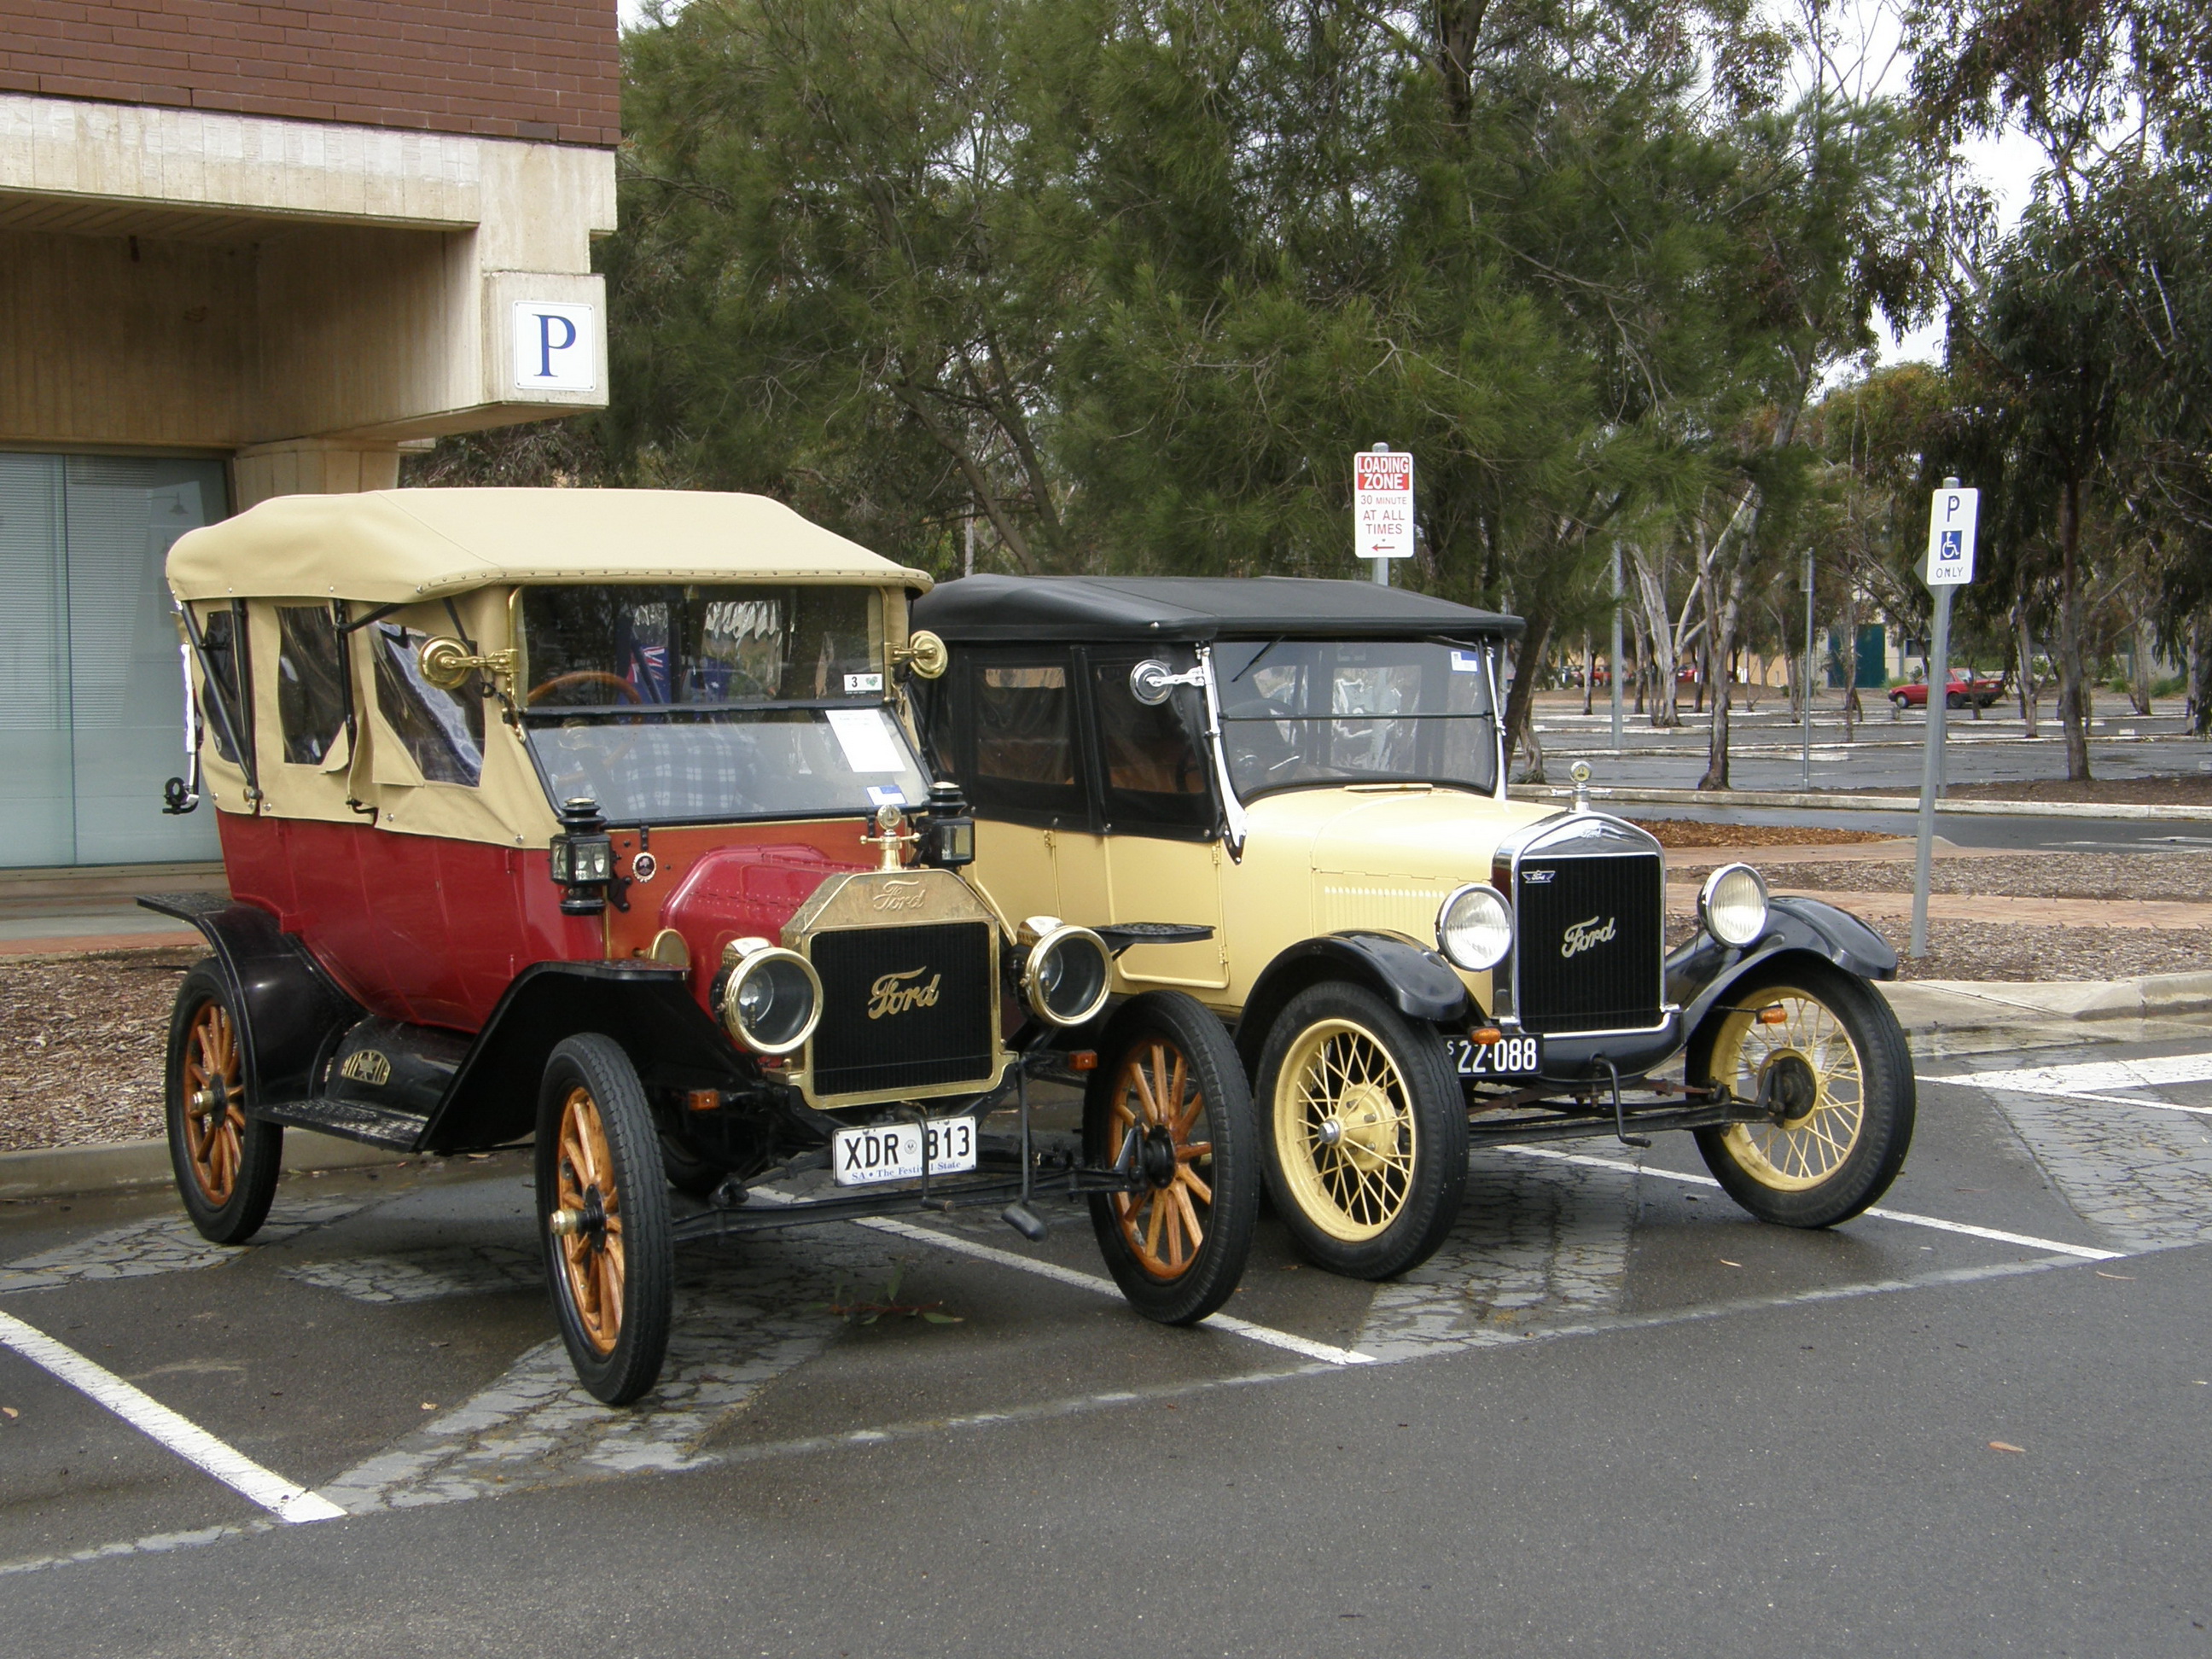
(1300,712)
(667,704)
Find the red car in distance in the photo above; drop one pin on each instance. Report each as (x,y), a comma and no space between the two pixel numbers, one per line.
(1966,690)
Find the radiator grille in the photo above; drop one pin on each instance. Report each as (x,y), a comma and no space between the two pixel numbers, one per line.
(934,1008)
(1589,943)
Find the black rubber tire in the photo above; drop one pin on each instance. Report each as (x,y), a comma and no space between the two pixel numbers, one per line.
(1888,1093)
(1230,1168)
(1434,1102)
(599,1065)
(1954,700)
(694,1177)
(241,1211)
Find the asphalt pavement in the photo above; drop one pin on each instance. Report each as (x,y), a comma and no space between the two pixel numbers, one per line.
(1612,1415)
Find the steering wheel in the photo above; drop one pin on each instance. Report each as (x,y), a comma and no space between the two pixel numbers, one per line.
(585,676)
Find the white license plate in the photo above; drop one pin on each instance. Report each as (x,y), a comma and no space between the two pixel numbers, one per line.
(1513,1056)
(893,1151)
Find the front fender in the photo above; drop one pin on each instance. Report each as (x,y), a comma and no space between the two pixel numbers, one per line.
(1699,974)
(289,1012)
(1410,977)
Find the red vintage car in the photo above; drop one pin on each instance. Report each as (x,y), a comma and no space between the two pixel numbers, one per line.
(598,818)
(1966,689)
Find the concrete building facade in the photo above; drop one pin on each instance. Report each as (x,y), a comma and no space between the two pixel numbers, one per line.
(249,250)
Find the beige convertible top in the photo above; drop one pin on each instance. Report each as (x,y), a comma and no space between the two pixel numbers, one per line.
(394,546)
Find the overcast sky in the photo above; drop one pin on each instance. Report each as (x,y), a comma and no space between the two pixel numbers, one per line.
(2009,163)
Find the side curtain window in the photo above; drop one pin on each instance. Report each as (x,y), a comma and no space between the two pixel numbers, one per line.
(228,680)
(311,701)
(1020,747)
(443,731)
(1153,763)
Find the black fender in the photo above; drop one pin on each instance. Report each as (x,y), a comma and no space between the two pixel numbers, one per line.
(1410,977)
(291,1013)
(1699,974)
(648,1008)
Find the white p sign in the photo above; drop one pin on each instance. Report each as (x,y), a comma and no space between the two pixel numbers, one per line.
(556,346)
(1951,537)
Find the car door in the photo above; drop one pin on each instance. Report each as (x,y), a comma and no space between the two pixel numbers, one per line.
(1160,847)
(1006,727)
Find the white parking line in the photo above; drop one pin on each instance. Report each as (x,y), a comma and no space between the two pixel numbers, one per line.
(280,1497)
(2087,1079)
(1906,1218)
(1286,1341)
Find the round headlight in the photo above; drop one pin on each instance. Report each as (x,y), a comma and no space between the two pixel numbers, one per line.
(1475,929)
(1733,904)
(773,1001)
(1067,975)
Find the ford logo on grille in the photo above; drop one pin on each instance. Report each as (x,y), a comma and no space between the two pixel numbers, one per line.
(893,994)
(1583,936)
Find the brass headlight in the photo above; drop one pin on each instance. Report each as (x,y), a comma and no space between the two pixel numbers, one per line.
(772,999)
(1068,972)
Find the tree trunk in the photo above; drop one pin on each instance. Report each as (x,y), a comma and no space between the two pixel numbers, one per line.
(1721,622)
(2024,652)
(2073,694)
(2200,680)
(1520,702)
(1851,708)
(1643,659)
(1589,672)
(2139,669)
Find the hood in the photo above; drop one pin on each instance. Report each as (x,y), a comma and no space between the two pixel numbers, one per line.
(1424,835)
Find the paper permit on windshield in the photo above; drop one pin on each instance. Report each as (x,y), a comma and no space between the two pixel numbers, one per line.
(1467,662)
(866,737)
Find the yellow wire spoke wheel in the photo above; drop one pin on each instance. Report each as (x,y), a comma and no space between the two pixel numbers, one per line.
(1156,1110)
(1345,1133)
(1789,1040)
(592,1258)
(212,1080)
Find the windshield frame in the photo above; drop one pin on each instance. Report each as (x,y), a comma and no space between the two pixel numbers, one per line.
(1485,645)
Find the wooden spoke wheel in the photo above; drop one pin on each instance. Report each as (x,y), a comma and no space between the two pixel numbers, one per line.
(1155,1113)
(1366,1132)
(226,1163)
(1818,1051)
(591,1250)
(603,1206)
(1169,1107)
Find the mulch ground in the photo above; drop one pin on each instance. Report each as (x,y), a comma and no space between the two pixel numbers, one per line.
(2131,791)
(1695,832)
(81,1041)
(2183,877)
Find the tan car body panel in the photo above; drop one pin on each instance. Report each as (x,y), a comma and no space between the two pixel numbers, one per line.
(1315,861)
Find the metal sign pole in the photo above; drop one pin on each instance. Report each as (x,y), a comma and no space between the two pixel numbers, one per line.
(1808,668)
(1950,565)
(1613,662)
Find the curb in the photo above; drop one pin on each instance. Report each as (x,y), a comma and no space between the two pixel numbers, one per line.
(1795,800)
(58,1171)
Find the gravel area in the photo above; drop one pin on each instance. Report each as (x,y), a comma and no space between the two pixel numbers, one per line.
(81,1041)
(1974,950)
(2184,877)
(1696,832)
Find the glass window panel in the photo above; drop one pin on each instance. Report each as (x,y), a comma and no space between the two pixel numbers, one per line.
(311,699)
(1344,711)
(442,730)
(1024,725)
(601,646)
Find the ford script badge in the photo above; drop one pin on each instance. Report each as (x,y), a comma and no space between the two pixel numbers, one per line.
(1583,936)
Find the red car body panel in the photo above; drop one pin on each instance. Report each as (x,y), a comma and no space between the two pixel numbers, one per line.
(1982,691)
(433,931)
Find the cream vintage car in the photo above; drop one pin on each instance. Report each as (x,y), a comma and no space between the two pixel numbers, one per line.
(1412,962)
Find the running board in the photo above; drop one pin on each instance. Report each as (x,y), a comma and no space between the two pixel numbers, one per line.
(374,1126)
(1581,1125)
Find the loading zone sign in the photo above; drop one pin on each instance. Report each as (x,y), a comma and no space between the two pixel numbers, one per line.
(1951,537)
(1383,504)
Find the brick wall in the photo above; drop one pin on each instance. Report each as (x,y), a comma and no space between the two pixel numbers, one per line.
(546,70)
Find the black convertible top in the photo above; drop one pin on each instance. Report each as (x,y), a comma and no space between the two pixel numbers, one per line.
(1002,608)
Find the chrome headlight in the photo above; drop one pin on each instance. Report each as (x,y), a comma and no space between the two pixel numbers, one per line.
(773,1001)
(1474,928)
(1068,972)
(1732,905)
